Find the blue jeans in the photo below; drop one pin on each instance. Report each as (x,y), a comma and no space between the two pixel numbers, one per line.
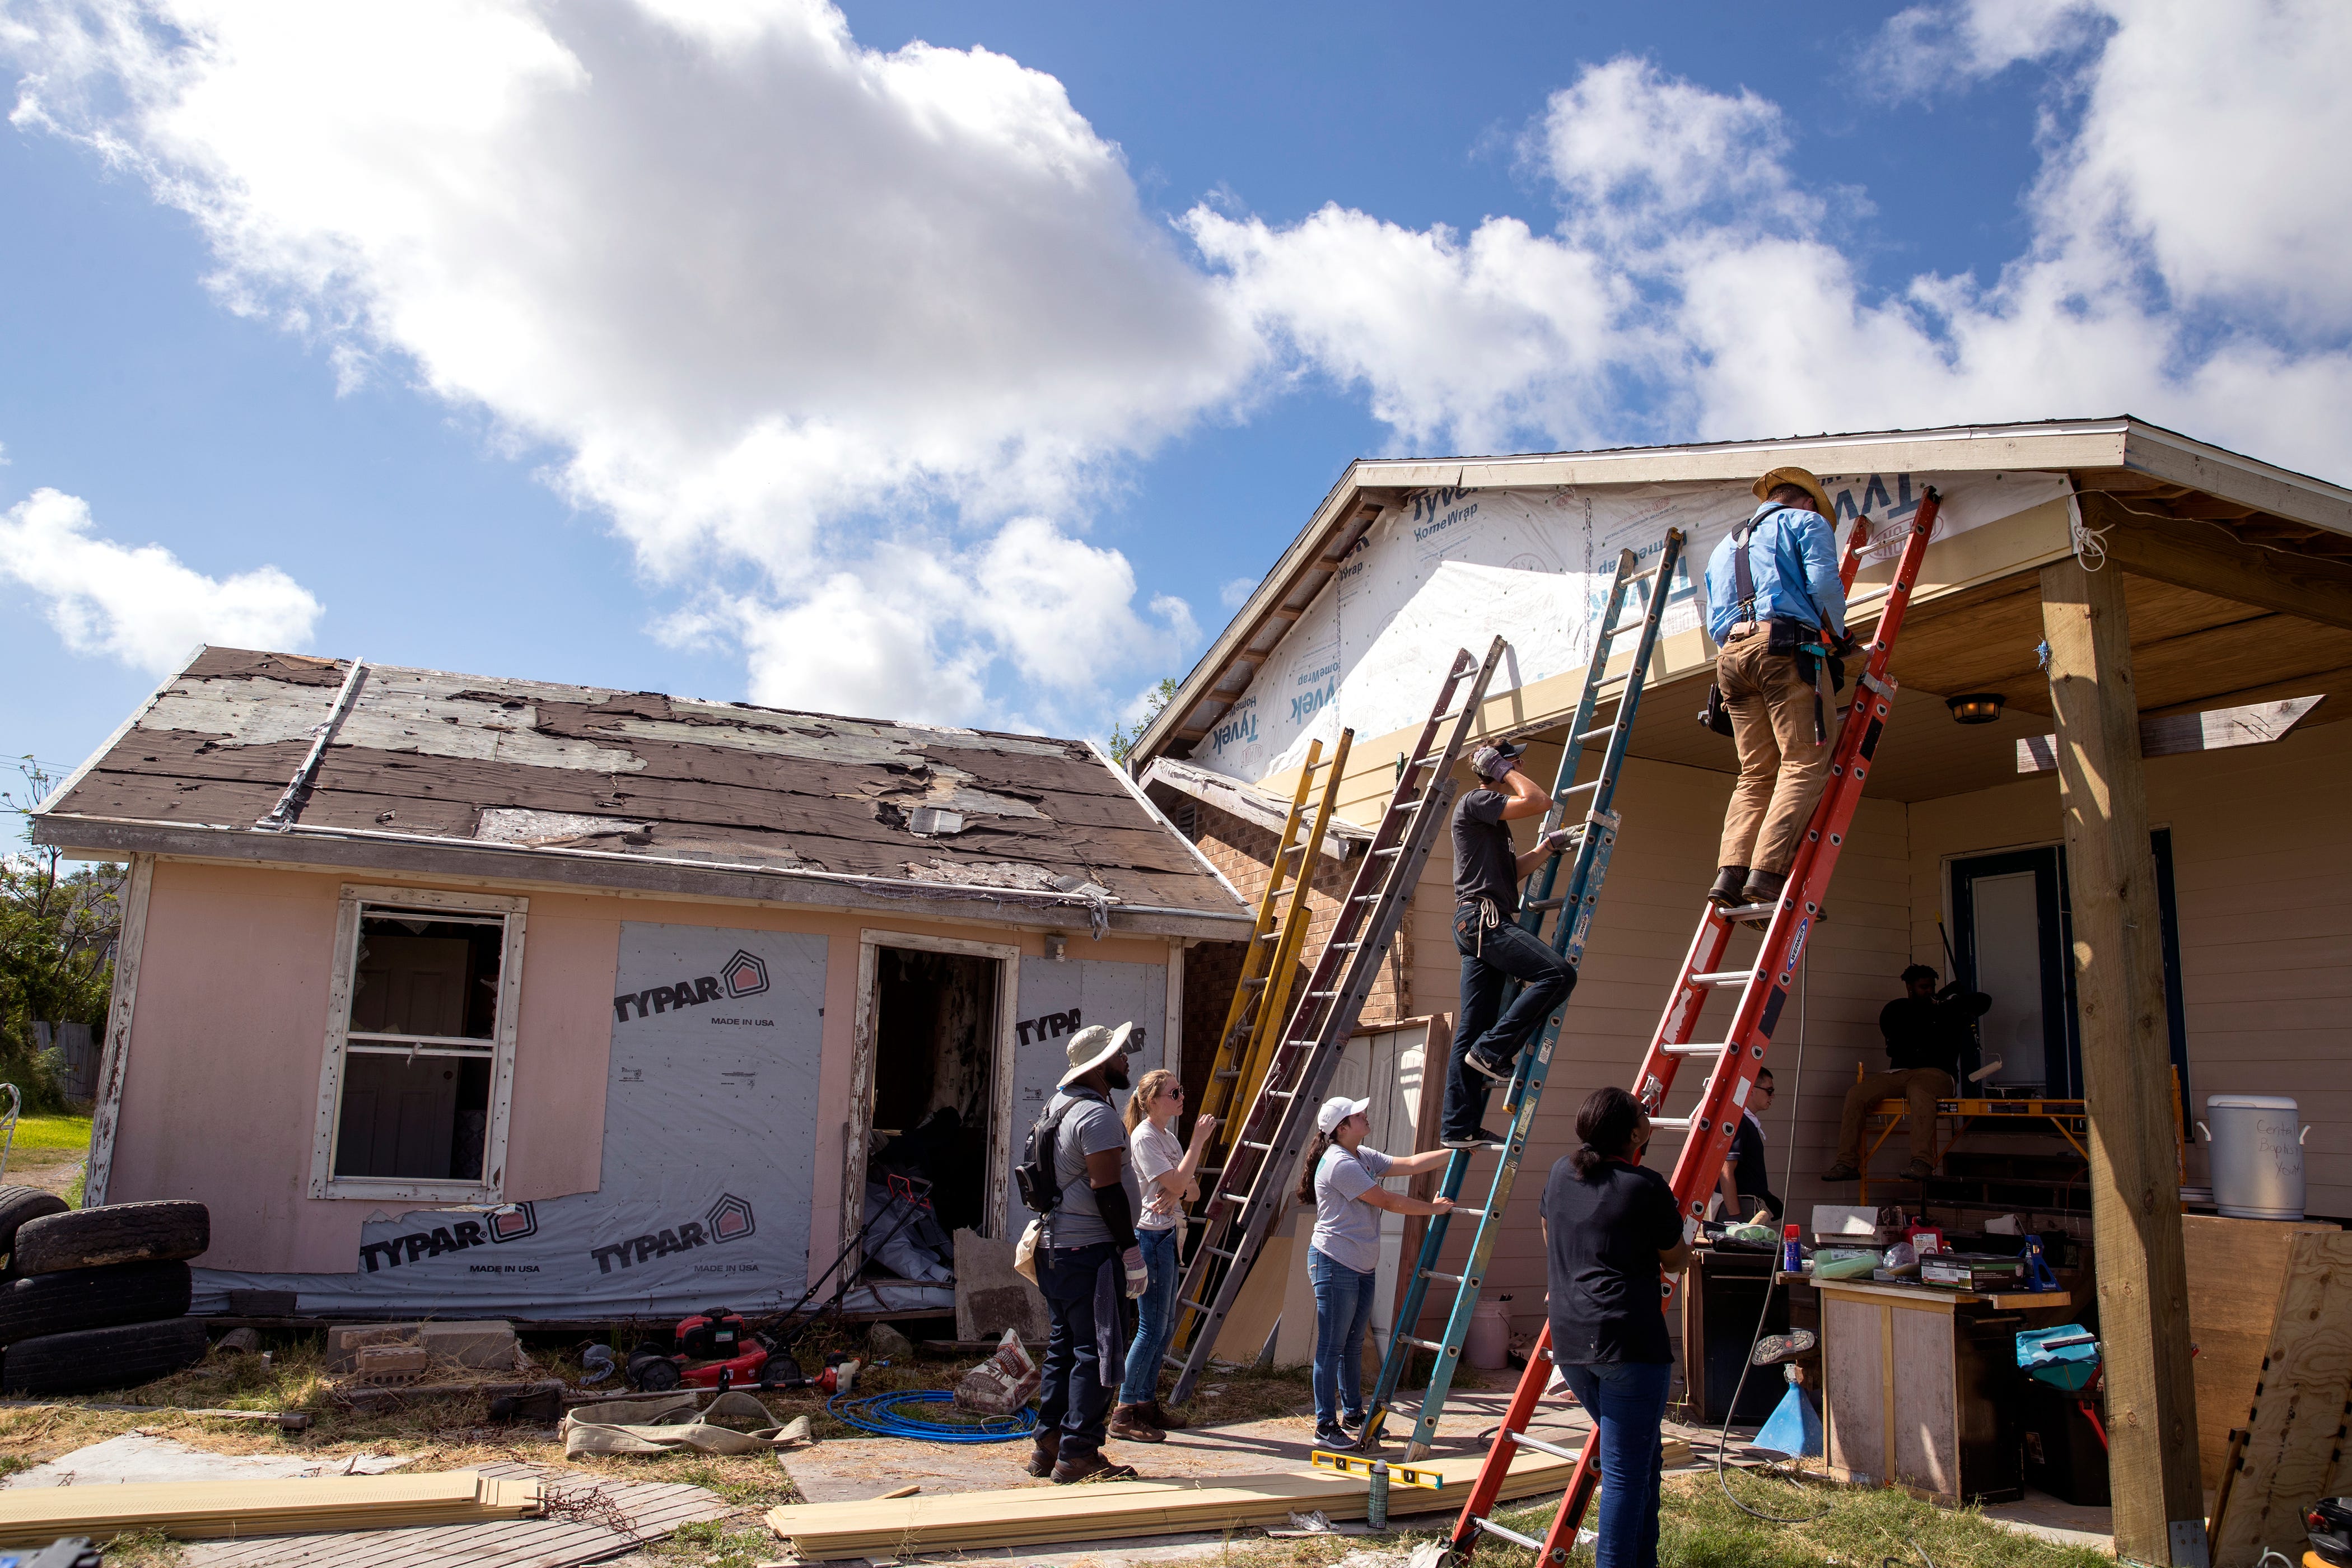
(1491,960)
(1071,1394)
(1627,1402)
(1155,1317)
(1343,1308)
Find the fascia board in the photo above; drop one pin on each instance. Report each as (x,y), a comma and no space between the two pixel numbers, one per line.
(2178,459)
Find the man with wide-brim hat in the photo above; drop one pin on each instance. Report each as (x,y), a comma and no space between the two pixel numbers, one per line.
(1777,612)
(1086,1256)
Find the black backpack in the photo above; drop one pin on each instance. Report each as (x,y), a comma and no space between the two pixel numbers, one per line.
(1040,1187)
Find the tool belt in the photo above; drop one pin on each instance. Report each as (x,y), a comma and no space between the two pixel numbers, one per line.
(1793,639)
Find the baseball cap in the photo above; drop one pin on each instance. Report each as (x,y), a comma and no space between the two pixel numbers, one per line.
(1336,1110)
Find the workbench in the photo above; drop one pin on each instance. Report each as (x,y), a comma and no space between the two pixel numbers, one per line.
(1921,1384)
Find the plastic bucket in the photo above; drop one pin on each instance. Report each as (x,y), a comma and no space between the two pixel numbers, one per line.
(1489,1343)
(2255,1149)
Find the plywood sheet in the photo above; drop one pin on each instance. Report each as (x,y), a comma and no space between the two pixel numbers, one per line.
(2237,1268)
(2296,1433)
(1856,1351)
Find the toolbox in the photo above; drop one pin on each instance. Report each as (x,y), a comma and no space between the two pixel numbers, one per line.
(1972,1271)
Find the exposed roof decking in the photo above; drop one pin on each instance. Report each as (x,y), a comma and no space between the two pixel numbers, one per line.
(448,768)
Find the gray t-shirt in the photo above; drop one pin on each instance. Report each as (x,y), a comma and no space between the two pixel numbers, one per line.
(1346,1229)
(1089,1127)
(1153,1151)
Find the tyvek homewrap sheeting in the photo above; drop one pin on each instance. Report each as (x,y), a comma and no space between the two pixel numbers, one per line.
(1057,999)
(711,1110)
(1451,568)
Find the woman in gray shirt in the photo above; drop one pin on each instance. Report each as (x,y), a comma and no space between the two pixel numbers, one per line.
(1341,1177)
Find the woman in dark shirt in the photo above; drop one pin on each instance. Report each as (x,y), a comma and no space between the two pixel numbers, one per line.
(1609,1225)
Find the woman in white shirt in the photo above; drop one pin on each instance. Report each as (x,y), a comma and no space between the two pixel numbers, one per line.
(1342,1176)
(1165,1170)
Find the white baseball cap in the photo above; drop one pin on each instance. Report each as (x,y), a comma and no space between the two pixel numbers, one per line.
(1336,1110)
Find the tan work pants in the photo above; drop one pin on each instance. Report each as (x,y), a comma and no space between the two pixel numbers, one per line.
(1920,1086)
(1782,769)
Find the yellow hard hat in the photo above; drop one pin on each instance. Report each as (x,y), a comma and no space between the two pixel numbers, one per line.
(1803,479)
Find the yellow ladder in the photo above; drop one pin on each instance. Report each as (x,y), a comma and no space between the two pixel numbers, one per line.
(1269,971)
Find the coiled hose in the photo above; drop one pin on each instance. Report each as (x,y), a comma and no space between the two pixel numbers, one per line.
(879,1414)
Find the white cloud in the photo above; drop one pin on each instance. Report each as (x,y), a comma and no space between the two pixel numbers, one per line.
(779,302)
(2183,263)
(141,606)
(1233,595)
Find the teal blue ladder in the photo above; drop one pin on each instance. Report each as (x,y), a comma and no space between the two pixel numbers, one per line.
(1637,597)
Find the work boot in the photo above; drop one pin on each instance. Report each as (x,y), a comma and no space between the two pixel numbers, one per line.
(1918,1171)
(1048,1449)
(1085,1464)
(1763,887)
(1159,1416)
(1128,1425)
(1841,1172)
(1728,883)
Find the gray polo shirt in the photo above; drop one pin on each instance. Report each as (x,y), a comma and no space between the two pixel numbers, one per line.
(1089,1127)
(1347,1228)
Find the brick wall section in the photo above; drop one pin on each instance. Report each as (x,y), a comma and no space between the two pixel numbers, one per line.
(1244,852)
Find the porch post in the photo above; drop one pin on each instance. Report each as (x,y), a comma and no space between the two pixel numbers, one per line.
(2126,1071)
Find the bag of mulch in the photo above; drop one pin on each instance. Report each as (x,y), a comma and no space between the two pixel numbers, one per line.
(1002,1383)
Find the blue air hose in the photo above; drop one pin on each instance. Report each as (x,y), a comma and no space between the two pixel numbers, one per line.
(879,1414)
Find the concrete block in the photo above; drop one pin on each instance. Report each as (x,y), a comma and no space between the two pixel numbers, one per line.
(989,1297)
(390,1363)
(488,1345)
(345,1341)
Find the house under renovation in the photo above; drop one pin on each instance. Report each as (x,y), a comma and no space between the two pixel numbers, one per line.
(2235,579)
(471,996)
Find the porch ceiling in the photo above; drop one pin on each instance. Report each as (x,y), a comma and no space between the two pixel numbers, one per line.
(2190,652)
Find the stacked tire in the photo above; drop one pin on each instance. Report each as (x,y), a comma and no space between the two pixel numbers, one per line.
(96,1299)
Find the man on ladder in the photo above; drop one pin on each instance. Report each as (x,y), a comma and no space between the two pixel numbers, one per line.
(1771,588)
(1496,949)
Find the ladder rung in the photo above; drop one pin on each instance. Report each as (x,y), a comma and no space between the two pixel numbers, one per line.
(1547,903)
(1220,1251)
(1235,1197)
(1700,1050)
(1746,911)
(1322,994)
(1449,1279)
(1253,1144)
(1667,1123)
(1508,1533)
(1198,1306)
(1724,977)
(1226,1073)
(1425,1345)
(1271,936)
(1573,789)
(1253,984)
(1604,730)
(1343,947)
(1541,1446)
(1392,849)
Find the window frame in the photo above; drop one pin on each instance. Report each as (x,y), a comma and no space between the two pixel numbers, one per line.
(512,914)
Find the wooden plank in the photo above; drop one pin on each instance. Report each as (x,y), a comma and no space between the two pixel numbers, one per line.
(2236,1269)
(195,1509)
(1036,1516)
(2127,1081)
(114,1060)
(2214,730)
(2295,1438)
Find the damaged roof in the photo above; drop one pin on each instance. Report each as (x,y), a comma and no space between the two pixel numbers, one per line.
(426,771)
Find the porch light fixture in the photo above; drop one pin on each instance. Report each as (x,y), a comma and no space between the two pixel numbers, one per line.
(1976,708)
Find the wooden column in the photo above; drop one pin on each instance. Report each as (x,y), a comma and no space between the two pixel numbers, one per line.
(2126,1071)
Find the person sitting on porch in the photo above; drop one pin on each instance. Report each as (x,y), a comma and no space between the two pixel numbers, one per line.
(1773,592)
(1928,1045)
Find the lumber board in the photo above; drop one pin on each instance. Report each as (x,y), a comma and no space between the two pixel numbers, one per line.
(2237,1270)
(1035,1516)
(2295,1435)
(196,1509)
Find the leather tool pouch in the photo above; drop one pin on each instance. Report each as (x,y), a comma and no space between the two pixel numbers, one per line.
(1714,716)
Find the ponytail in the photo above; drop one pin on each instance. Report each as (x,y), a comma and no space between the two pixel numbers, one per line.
(1314,1162)
(1605,1127)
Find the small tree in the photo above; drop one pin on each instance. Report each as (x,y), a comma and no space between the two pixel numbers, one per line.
(1123,738)
(57,931)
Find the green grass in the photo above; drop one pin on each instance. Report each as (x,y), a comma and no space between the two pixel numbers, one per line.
(53,1132)
(719,1543)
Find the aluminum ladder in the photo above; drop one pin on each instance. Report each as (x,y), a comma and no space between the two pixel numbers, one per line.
(1628,603)
(1763,989)
(1269,969)
(1262,1160)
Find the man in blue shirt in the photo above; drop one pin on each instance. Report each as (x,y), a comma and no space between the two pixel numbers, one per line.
(1774,606)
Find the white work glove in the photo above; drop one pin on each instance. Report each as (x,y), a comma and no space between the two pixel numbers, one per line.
(1560,840)
(1488,762)
(1137,1276)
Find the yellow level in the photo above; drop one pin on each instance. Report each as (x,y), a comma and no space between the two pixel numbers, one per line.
(1360,1465)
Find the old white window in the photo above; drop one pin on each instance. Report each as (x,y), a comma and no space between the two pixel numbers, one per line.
(419,1068)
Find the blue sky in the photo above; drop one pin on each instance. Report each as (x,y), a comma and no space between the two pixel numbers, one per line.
(749,351)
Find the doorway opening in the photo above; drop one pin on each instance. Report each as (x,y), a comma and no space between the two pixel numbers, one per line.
(935,1026)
